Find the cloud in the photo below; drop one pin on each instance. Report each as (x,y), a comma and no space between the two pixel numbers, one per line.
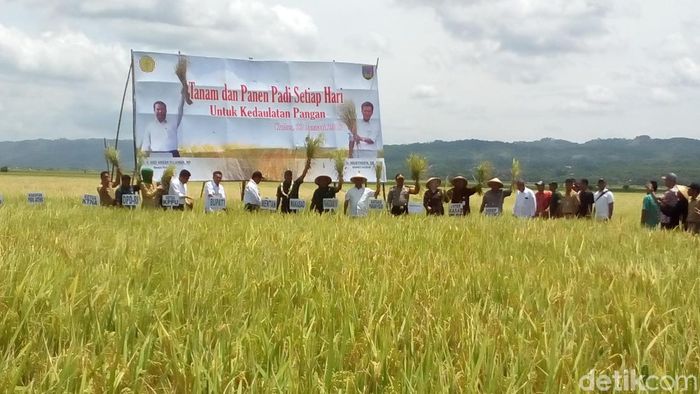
(424,92)
(594,99)
(663,96)
(524,28)
(686,71)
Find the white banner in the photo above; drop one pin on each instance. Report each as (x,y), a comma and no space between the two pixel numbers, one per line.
(239,116)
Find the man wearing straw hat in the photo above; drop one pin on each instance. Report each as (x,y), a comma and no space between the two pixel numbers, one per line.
(434,197)
(492,202)
(357,198)
(460,193)
(398,196)
(324,191)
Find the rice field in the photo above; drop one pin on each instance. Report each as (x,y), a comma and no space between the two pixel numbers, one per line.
(105,300)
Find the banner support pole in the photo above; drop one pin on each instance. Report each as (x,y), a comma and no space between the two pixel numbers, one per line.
(121,112)
(133,110)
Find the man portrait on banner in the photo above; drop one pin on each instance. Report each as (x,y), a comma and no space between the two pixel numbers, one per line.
(161,134)
(362,143)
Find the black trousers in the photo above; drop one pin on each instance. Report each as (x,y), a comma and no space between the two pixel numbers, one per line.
(400,210)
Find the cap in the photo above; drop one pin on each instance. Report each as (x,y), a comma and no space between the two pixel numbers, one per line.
(670,176)
(539,183)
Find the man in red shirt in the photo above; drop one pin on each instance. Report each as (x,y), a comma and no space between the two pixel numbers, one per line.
(542,197)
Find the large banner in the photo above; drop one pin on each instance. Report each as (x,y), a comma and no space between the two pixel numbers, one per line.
(239,116)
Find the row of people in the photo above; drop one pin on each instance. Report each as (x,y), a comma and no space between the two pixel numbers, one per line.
(678,205)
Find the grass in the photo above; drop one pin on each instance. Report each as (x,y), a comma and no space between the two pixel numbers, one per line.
(107,300)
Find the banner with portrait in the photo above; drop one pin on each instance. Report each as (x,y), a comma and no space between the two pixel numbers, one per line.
(239,116)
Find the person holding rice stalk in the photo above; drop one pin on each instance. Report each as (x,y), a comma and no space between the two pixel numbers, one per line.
(161,135)
(357,198)
(324,191)
(460,193)
(288,190)
(492,202)
(150,198)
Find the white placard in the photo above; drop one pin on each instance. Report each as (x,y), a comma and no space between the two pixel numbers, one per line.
(376,204)
(90,200)
(130,200)
(170,201)
(268,204)
(415,208)
(216,203)
(492,211)
(330,204)
(297,204)
(35,198)
(456,209)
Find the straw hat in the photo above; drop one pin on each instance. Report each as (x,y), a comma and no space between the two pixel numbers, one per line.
(459,178)
(684,191)
(433,178)
(318,178)
(496,181)
(358,175)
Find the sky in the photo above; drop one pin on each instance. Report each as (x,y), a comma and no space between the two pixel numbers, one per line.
(510,70)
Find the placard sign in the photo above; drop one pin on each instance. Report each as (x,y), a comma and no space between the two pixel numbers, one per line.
(268,204)
(297,204)
(330,204)
(90,200)
(170,201)
(35,198)
(376,204)
(2,200)
(415,208)
(492,211)
(216,203)
(456,209)
(130,200)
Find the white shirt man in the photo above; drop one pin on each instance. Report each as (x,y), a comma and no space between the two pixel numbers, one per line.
(161,135)
(215,189)
(525,204)
(177,188)
(251,196)
(358,201)
(602,203)
(368,131)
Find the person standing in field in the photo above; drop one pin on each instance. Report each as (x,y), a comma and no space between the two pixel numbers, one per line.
(252,200)
(570,202)
(585,208)
(669,203)
(288,190)
(399,194)
(106,189)
(324,191)
(150,198)
(492,202)
(125,187)
(525,201)
(650,207)
(214,189)
(178,187)
(555,202)
(433,197)
(693,221)
(543,199)
(603,201)
(357,198)
(460,193)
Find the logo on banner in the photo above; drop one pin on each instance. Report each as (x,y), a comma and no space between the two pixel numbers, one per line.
(147,64)
(368,72)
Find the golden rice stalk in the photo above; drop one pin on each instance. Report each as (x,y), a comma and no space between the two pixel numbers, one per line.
(313,145)
(181,72)
(339,159)
(168,174)
(348,115)
(112,156)
(417,166)
(378,169)
(483,173)
(514,172)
